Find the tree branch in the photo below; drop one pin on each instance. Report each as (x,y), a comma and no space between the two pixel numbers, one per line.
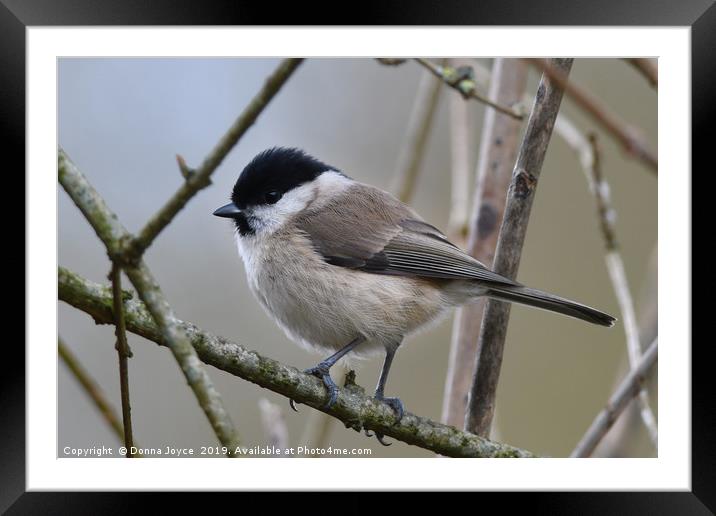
(200,178)
(646,67)
(91,388)
(630,137)
(123,352)
(498,149)
(481,404)
(627,390)
(353,407)
(113,235)
(617,274)
(461,80)
(626,432)
(416,137)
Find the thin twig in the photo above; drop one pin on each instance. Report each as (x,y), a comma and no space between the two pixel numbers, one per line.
(461,80)
(526,173)
(92,389)
(577,141)
(200,178)
(498,149)
(274,426)
(617,274)
(416,137)
(627,390)
(353,406)
(630,137)
(481,74)
(113,234)
(626,432)
(124,353)
(584,149)
(648,68)
(460,166)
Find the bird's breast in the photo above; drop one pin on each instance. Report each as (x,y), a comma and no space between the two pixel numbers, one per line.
(326,306)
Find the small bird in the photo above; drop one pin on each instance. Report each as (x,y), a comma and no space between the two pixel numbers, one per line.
(346,267)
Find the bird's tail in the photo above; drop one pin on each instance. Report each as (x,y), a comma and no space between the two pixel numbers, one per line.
(539,299)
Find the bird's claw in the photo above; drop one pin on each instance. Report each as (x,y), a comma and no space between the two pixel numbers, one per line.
(321,371)
(292,404)
(393,403)
(397,406)
(378,436)
(380,439)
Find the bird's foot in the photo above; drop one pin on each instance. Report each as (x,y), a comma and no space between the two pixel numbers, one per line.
(397,407)
(322,371)
(393,403)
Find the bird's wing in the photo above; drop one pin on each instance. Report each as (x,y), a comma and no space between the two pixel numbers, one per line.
(377,233)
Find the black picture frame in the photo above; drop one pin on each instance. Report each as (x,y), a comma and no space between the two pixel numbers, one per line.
(17,15)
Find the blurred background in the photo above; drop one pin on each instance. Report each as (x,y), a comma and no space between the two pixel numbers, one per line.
(122,121)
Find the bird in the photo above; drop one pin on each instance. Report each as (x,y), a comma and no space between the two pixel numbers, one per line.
(344,267)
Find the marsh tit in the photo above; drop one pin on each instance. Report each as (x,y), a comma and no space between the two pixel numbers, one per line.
(347,268)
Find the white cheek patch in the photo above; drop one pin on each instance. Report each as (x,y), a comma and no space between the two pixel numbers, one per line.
(268,218)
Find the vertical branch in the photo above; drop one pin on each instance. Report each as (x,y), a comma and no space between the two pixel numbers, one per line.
(460,142)
(481,402)
(419,126)
(498,149)
(124,353)
(91,388)
(617,274)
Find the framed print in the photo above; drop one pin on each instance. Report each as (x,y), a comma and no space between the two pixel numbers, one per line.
(228,187)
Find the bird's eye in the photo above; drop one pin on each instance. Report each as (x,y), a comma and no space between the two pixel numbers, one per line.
(272,197)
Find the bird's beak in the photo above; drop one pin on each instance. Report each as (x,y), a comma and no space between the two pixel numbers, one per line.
(227,211)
